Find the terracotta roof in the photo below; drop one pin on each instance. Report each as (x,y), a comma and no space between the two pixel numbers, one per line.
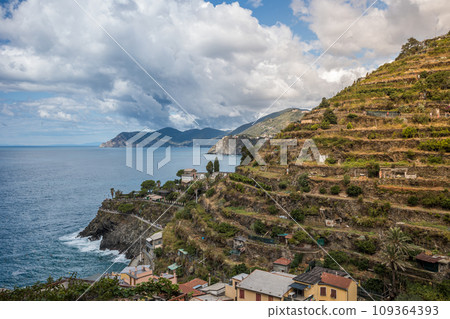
(282,261)
(336,281)
(429,259)
(189,286)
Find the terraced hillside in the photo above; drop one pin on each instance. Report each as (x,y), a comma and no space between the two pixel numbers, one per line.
(387,142)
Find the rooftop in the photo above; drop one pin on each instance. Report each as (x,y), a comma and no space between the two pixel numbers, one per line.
(282,261)
(314,276)
(240,277)
(336,281)
(192,286)
(272,284)
(155,236)
(430,258)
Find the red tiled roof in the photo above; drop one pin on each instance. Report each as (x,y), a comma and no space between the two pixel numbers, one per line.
(288,236)
(189,286)
(334,280)
(282,261)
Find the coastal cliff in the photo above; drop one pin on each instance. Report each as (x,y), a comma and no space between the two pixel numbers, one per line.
(119,231)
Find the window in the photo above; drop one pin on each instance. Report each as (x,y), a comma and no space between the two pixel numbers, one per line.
(270,298)
(323,291)
(258,297)
(241,293)
(333,293)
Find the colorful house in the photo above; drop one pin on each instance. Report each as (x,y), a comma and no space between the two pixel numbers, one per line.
(323,284)
(136,275)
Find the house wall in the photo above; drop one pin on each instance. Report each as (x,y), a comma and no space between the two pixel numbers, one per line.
(280,268)
(341,294)
(251,296)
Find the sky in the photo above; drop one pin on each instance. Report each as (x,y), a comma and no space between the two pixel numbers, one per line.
(81,71)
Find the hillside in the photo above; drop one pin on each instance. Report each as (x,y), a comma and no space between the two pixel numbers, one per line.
(266,126)
(179,138)
(386,142)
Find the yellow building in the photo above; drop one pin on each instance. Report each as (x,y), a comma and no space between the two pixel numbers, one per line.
(324,285)
(264,286)
(231,289)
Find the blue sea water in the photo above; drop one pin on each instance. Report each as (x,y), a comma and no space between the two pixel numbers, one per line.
(49,194)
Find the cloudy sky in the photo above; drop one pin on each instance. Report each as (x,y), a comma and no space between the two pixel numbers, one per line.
(79,71)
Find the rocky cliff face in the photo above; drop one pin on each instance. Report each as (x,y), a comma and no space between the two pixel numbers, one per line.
(119,232)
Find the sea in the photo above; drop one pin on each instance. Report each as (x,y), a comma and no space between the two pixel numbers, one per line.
(49,194)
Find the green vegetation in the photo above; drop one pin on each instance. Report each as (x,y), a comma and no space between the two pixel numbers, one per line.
(329,116)
(210,167)
(216,165)
(210,192)
(148,185)
(259,227)
(322,190)
(303,183)
(340,257)
(126,208)
(354,191)
(335,190)
(436,145)
(298,215)
(409,132)
(366,246)
(331,160)
(349,126)
(103,290)
(273,210)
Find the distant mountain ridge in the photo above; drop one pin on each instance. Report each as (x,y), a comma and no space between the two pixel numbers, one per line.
(178,138)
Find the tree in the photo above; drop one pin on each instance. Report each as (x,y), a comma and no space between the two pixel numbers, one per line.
(210,167)
(169,185)
(148,184)
(112,192)
(216,165)
(324,103)
(180,172)
(395,253)
(329,116)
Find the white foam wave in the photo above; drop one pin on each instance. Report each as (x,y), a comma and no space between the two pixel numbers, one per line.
(85,245)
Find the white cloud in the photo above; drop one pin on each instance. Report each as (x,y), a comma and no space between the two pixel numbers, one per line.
(381,30)
(299,7)
(255,3)
(217,61)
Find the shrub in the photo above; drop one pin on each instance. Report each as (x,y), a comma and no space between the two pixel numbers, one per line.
(436,145)
(420,119)
(126,208)
(322,190)
(352,116)
(346,180)
(283,185)
(298,215)
(158,252)
(410,155)
(354,191)
(225,229)
(298,258)
(329,116)
(409,132)
(431,159)
(331,160)
(349,126)
(373,169)
(366,246)
(210,192)
(172,196)
(335,190)
(325,125)
(372,136)
(259,227)
(303,182)
(273,210)
(340,256)
(314,127)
